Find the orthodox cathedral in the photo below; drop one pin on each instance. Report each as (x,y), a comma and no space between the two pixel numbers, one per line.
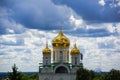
(61,68)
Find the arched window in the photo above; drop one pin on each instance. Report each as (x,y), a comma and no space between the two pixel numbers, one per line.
(53,55)
(61,55)
(68,55)
(61,69)
(46,60)
(75,60)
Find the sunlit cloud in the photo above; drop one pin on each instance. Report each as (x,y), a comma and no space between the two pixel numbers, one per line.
(102,2)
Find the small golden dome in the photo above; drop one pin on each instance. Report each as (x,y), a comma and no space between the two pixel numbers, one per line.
(60,40)
(46,50)
(75,50)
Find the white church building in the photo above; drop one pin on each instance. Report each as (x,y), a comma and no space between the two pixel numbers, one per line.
(60,68)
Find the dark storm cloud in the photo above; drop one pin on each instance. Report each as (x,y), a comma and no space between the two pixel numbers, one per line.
(2,14)
(2,30)
(37,14)
(2,2)
(46,15)
(92,12)
(89,32)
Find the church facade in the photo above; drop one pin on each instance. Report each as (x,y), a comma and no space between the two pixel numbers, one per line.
(61,68)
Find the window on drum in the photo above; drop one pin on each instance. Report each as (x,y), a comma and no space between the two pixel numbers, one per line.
(61,55)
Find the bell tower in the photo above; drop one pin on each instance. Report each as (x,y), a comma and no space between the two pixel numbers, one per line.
(75,56)
(46,55)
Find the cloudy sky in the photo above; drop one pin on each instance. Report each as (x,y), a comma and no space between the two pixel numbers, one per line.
(26,24)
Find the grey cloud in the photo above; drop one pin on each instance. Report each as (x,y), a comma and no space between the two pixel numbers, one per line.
(37,15)
(92,12)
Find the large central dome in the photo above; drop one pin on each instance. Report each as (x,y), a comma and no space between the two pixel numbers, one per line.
(60,40)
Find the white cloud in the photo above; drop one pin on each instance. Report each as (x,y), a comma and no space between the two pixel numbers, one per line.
(76,22)
(29,54)
(8,39)
(25,49)
(9,30)
(100,57)
(102,2)
(118,3)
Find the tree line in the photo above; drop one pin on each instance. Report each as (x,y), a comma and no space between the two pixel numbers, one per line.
(81,74)
(84,74)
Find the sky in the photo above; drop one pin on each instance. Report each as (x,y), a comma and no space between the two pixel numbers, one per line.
(25,25)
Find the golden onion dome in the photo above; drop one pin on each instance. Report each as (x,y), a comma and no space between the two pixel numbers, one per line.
(46,50)
(75,50)
(61,40)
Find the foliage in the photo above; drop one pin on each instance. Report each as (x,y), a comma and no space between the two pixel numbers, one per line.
(113,75)
(34,77)
(84,74)
(25,77)
(14,75)
(30,77)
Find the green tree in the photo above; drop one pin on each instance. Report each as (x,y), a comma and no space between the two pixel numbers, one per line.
(14,75)
(113,75)
(91,74)
(25,77)
(99,76)
(84,74)
(30,77)
(34,77)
